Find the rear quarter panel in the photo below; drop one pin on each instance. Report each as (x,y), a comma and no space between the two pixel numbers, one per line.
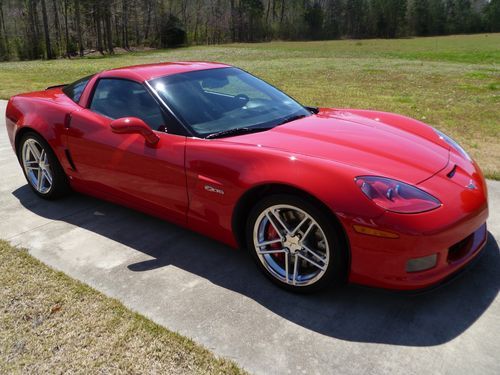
(43,112)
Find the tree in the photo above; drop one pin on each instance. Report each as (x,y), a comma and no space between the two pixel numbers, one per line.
(48,47)
(4,39)
(334,18)
(31,29)
(420,15)
(492,12)
(173,33)
(314,19)
(355,12)
(251,13)
(125,42)
(107,24)
(437,17)
(78,27)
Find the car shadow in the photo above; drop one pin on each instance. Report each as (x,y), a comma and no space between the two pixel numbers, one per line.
(348,313)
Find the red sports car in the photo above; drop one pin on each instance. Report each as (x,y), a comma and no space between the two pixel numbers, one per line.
(319,196)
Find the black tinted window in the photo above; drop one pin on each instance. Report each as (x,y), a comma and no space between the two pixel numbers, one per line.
(75,90)
(116,98)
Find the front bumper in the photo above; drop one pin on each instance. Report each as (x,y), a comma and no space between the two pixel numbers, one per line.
(455,232)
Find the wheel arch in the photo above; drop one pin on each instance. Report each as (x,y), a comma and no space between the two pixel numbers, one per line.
(252,196)
(47,133)
(21,132)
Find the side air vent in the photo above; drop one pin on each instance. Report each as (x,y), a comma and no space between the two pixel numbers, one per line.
(70,159)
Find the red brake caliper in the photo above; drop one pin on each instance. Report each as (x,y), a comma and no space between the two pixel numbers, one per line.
(271,234)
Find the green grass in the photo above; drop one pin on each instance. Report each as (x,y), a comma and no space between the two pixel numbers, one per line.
(50,323)
(450,82)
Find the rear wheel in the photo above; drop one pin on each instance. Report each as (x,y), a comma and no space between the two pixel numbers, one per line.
(41,168)
(295,243)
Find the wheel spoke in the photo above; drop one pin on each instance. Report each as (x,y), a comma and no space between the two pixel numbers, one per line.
(313,253)
(270,242)
(295,269)
(276,215)
(286,266)
(272,251)
(46,160)
(308,230)
(39,181)
(294,232)
(27,153)
(273,224)
(322,268)
(47,176)
(34,151)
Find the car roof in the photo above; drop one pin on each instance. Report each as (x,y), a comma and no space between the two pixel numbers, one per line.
(147,72)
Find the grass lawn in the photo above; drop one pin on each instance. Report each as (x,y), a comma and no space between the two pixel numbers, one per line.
(50,323)
(450,82)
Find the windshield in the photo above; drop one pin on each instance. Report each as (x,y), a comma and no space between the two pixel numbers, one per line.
(219,100)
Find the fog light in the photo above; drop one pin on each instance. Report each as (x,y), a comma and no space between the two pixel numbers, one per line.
(421,264)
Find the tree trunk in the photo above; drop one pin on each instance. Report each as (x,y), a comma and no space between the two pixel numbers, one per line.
(282,11)
(45,19)
(32,30)
(125,25)
(148,20)
(66,30)
(36,19)
(136,26)
(3,32)
(233,22)
(268,11)
(57,26)
(118,32)
(97,13)
(109,33)
(79,27)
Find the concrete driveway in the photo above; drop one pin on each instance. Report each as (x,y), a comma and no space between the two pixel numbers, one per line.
(216,296)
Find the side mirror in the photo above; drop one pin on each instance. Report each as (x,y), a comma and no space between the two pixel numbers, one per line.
(134,125)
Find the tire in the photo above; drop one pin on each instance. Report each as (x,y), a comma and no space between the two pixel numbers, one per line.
(39,161)
(313,240)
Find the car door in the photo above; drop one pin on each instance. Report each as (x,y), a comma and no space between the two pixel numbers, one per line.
(123,167)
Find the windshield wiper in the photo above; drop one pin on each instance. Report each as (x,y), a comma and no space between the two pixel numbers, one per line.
(240,131)
(314,110)
(291,118)
(235,131)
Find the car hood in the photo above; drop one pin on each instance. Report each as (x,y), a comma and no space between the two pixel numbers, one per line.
(411,153)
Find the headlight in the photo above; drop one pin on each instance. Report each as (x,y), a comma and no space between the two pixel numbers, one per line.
(453,144)
(396,196)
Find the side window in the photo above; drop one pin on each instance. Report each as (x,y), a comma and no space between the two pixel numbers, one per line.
(116,98)
(74,90)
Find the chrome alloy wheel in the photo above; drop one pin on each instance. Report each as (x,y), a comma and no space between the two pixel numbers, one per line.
(291,245)
(36,165)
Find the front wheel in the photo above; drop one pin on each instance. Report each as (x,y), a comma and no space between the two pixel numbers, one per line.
(296,244)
